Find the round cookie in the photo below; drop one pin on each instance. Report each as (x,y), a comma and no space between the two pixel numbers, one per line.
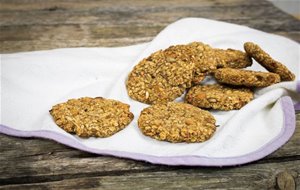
(177,122)
(160,78)
(202,55)
(92,117)
(268,62)
(218,97)
(232,58)
(245,77)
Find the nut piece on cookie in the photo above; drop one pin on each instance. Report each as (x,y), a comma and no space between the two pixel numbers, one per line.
(92,117)
(268,62)
(177,122)
(218,97)
(247,78)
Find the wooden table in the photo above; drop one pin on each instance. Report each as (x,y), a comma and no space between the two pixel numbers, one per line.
(41,164)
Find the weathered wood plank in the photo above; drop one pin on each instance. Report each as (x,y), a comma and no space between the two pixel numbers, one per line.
(41,5)
(35,45)
(79,32)
(81,36)
(74,24)
(291,35)
(143,16)
(44,44)
(98,31)
(254,176)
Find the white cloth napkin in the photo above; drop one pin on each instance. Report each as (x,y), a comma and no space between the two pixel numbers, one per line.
(32,82)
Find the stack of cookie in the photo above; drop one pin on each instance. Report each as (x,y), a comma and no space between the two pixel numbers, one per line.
(166,75)
(238,94)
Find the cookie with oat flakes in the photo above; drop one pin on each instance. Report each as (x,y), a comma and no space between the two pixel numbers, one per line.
(231,58)
(268,62)
(177,122)
(200,54)
(159,78)
(247,78)
(92,117)
(218,97)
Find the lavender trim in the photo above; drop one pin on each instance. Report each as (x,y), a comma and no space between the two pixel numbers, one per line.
(298,86)
(285,134)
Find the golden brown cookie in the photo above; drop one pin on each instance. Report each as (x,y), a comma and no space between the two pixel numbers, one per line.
(232,58)
(92,117)
(248,78)
(177,122)
(268,62)
(160,78)
(218,97)
(202,55)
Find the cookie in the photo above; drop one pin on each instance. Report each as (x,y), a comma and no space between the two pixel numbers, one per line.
(268,62)
(232,58)
(202,55)
(218,97)
(92,117)
(177,122)
(160,78)
(245,77)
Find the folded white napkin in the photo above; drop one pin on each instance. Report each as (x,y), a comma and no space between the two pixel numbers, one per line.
(32,82)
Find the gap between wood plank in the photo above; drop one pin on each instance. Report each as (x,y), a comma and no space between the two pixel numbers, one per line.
(157,168)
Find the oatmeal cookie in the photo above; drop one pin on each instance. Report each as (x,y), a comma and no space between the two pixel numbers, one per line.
(160,78)
(245,77)
(232,58)
(177,122)
(268,62)
(92,117)
(200,54)
(218,97)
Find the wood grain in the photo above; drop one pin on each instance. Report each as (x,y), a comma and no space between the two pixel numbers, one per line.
(28,25)
(38,25)
(254,176)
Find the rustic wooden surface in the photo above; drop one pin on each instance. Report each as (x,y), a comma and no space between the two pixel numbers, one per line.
(28,25)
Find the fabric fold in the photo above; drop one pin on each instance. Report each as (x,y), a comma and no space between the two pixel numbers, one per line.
(31,82)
